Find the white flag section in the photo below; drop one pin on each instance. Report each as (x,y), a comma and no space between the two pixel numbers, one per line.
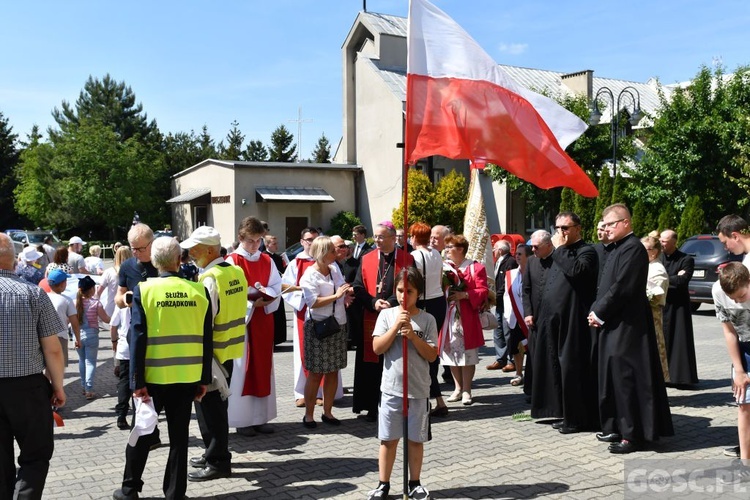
(475,229)
(460,104)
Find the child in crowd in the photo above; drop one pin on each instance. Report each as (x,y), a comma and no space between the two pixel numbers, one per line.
(66,310)
(732,298)
(118,330)
(420,330)
(89,311)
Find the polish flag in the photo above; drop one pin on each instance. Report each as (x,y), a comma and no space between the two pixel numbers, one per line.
(460,104)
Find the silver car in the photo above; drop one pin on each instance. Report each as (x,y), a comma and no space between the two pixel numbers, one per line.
(23,238)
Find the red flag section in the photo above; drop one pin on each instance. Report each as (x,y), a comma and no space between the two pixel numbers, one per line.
(461,105)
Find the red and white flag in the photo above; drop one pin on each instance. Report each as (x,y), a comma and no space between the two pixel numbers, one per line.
(460,104)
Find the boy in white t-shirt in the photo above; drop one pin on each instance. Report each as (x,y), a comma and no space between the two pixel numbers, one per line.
(420,330)
(66,309)
(119,324)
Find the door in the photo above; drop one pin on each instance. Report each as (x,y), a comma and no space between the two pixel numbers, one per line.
(294,227)
(200,216)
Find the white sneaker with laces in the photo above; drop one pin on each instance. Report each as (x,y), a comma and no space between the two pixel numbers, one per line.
(419,493)
(378,493)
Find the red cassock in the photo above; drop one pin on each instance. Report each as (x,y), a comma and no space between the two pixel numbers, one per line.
(259,332)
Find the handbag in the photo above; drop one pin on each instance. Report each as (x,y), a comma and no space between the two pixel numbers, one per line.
(326,327)
(488,320)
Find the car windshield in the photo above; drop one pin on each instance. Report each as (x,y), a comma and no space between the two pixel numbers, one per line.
(703,247)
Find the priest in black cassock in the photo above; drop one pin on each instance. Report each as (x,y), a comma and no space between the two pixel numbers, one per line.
(534,278)
(633,405)
(602,248)
(678,317)
(569,291)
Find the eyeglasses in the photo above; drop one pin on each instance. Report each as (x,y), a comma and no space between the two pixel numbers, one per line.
(565,228)
(613,223)
(309,240)
(380,238)
(141,249)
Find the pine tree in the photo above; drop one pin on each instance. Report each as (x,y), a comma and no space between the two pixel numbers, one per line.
(567,200)
(421,201)
(233,149)
(8,160)
(322,153)
(693,220)
(206,143)
(667,218)
(255,151)
(451,197)
(281,148)
(604,199)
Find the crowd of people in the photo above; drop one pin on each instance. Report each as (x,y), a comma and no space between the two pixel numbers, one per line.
(592,333)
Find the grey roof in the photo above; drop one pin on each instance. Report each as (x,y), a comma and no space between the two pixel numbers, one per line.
(190,195)
(292,193)
(384,24)
(267,164)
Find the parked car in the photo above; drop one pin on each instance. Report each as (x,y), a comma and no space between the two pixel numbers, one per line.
(23,238)
(709,255)
(292,251)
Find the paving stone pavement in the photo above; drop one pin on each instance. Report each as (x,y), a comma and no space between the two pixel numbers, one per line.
(478,451)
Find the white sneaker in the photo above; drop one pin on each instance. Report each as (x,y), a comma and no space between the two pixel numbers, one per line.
(381,492)
(419,493)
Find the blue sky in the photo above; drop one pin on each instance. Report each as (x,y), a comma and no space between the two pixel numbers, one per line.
(198,62)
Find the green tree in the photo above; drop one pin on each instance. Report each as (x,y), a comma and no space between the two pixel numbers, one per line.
(698,146)
(644,220)
(603,200)
(34,178)
(181,150)
(421,198)
(8,160)
(110,102)
(667,218)
(206,145)
(451,196)
(693,220)
(343,222)
(322,152)
(233,150)
(282,149)
(567,200)
(255,151)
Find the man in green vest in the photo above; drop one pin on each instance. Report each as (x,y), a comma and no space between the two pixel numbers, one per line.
(170,364)
(227,289)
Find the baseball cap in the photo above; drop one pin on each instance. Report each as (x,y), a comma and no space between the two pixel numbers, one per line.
(204,235)
(57,276)
(30,253)
(76,239)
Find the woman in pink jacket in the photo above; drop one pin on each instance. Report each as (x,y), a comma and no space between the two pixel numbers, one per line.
(462,335)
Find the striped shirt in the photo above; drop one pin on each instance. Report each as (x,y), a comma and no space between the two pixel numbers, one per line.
(26,316)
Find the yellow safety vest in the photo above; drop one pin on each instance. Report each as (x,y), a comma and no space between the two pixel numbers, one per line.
(175,311)
(229,324)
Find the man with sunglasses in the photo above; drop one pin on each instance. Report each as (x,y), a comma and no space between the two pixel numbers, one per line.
(564,382)
(633,405)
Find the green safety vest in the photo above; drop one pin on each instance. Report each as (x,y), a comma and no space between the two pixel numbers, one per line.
(229,324)
(175,311)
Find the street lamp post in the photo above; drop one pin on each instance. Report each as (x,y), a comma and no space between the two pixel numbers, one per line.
(635,116)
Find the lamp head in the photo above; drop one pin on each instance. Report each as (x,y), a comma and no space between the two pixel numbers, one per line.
(636,116)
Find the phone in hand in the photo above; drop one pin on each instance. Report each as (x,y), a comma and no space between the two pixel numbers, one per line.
(128,297)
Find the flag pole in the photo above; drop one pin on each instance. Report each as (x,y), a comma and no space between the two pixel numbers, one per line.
(404,341)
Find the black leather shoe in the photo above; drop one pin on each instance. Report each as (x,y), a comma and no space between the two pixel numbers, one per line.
(208,473)
(372,416)
(623,447)
(569,429)
(330,420)
(612,437)
(310,424)
(263,429)
(119,495)
(558,424)
(246,431)
(123,424)
(198,462)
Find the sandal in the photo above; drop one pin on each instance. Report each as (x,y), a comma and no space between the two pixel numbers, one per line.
(516,381)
